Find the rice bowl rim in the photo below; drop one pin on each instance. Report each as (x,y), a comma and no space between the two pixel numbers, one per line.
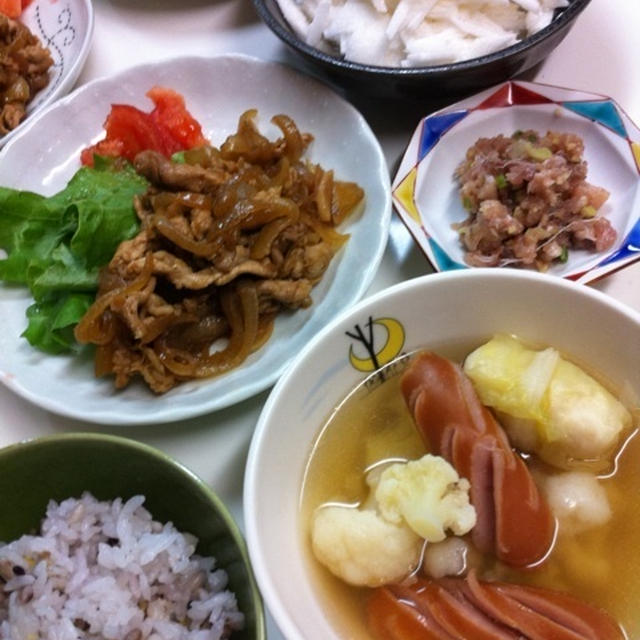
(198,484)
(289,36)
(129,443)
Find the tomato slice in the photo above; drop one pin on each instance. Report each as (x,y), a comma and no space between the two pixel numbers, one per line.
(171,116)
(167,129)
(11,8)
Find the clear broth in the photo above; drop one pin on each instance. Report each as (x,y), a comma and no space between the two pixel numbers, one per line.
(373,425)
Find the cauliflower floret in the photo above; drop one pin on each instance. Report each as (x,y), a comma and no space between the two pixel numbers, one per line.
(428,495)
(361,548)
(381,542)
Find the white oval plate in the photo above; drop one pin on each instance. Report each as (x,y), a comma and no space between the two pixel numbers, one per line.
(217,91)
(65,27)
(426,195)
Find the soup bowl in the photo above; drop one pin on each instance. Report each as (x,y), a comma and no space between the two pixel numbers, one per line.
(460,308)
(64,466)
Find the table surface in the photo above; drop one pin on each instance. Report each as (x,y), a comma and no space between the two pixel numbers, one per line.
(599,55)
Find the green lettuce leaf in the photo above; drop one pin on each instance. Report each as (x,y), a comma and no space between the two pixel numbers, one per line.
(178,157)
(56,245)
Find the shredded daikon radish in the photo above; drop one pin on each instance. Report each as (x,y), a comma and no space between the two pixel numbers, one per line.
(409,33)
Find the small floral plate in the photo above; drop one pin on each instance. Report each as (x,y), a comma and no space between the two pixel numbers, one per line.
(65,27)
(426,195)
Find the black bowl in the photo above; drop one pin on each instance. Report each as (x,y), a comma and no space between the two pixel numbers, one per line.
(425,82)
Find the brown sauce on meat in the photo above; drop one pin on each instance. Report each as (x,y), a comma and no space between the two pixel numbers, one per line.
(24,70)
(229,238)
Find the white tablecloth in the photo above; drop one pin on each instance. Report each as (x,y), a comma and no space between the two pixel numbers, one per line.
(600,54)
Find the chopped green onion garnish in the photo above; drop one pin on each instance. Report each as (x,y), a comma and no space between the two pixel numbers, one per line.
(501,181)
(539,153)
(467,204)
(564,256)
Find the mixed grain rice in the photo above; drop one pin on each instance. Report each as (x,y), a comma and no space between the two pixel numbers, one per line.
(108,571)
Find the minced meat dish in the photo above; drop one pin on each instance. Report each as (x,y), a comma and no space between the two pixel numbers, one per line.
(24,70)
(529,202)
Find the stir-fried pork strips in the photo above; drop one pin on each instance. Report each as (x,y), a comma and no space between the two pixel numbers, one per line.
(24,70)
(229,238)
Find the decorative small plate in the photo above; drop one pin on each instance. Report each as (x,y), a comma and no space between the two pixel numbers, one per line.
(217,91)
(65,27)
(426,196)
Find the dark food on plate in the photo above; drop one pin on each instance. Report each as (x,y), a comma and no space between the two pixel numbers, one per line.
(196,244)
(539,556)
(229,238)
(24,70)
(107,569)
(529,202)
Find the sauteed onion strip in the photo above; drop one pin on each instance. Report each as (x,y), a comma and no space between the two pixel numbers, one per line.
(230,237)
